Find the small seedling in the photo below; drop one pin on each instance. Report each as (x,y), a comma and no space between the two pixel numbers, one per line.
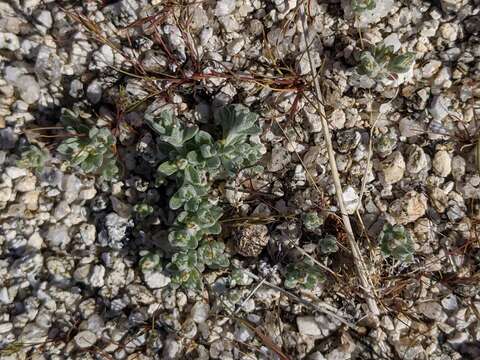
(396,242)
(303,274)
(91,150)
(311,221)
(363,5)
(143,210)
(239,278)
(328,244)
(33,158)
(382,62)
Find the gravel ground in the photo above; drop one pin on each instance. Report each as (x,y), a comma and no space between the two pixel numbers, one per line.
(71,286)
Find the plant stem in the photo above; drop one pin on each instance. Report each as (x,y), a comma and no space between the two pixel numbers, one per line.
(357,255)
(322,307)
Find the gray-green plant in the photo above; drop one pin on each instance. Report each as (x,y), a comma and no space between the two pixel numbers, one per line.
(362,5)
(238,277)
(303,274)
(397,242)
(311,220)
(143,210)
(33,158)
(195,160)
(382,62)
(328,244)
(91,149)
(151,262)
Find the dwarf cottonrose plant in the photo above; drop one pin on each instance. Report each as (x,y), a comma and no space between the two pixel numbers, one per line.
(302,274)
(91,149)
(33,158)
(396,242)
(382,62)
(195,160)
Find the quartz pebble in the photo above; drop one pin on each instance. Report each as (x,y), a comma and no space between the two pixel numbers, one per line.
(442,163)
(85,339)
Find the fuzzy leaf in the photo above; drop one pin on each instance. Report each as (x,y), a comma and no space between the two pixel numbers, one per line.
(328,244)
(213,163)
(237,123)
(91,163)
(33,158)
(80,157)
(176,201)
(185,260)
(192,204)
(401,63)
(195,176)
(168,168)
(207,151)
(161,123)
(311,220)
(203,138)
(68,146)
(191,279)
(396,241)
(110,169)
(189,133)
(150,262)
(183,239)
(368,65)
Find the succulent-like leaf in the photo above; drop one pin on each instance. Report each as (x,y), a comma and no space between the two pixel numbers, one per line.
(185,260)
(168,168)
(150,262)
(368,65)
(183,239)
(237,123)
(212,254)
(401,63)
(190,279)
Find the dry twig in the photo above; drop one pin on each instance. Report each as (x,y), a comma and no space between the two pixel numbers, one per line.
(359,263)
(322,307)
